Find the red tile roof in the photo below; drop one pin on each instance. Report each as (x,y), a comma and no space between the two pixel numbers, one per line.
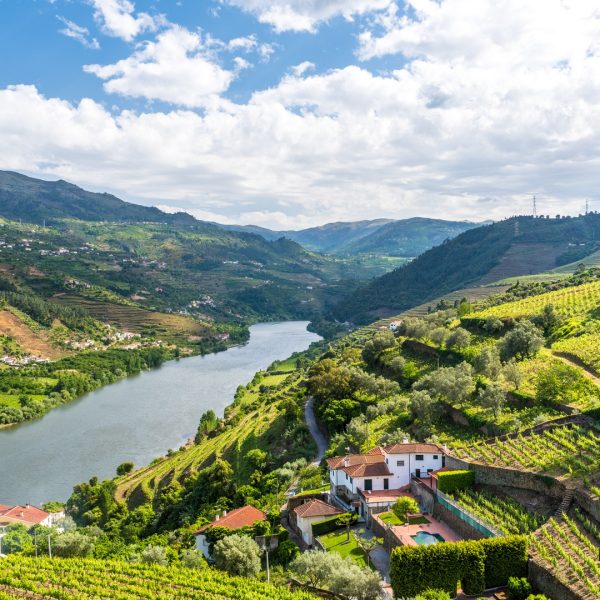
(354,459)
(378,469)
(25,514)
(316,508)
(413,449)
(237,518)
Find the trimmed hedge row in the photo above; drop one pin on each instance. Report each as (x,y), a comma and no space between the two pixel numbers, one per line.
(452,481)
(329,525)
(476,565)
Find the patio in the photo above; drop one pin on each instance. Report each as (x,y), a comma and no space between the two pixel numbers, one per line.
(404,533)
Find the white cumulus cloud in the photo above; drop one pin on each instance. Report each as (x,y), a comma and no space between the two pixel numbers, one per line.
(118,19)
(305,15)
(176,68)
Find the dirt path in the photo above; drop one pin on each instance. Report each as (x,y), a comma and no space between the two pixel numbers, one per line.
(318,436)
(31,342)
(573,363)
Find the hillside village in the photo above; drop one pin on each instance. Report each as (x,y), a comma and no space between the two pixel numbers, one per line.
(424,463)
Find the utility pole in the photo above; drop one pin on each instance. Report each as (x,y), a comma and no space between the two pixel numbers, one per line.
(49,547)
(534,206)
(587,206)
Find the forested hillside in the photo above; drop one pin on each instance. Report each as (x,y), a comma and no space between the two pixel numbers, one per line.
(516,246)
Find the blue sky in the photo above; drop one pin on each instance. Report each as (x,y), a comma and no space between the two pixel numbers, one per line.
(290,113)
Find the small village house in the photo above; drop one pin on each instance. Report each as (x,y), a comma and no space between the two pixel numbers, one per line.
(312,511)
(246,516)
(27,515)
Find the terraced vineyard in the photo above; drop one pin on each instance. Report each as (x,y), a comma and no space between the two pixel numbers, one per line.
(250,420)
(585,348)
(504,514)
(135,319)
(570,551)
(569,450)
(79,579)
(568,302)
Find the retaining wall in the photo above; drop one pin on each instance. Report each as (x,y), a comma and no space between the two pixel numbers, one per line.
(456,523)
(544,582)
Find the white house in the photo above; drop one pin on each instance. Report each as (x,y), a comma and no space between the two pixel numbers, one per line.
(246,516)
(385,468)
(27,515)
(310,512)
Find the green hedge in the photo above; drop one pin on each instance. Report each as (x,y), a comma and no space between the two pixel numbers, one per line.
(476,565)
(451,481)
(329,525)
(504,557)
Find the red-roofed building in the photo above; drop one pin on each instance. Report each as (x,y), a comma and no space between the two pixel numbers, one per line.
(246,516)
(355,478)
(312,511)
(27,515)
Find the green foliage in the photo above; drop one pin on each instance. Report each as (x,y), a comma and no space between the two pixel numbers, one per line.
(477,565)
(518,588)
(564,384)
(125,468)
(73,544)
(328,525)
(405,505)
(452,481)
(434,595)
(286,552)
(238,555)
(523,341)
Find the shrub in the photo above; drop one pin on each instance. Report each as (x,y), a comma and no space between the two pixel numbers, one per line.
(518,588)
(434,595)
(476,564)
(286,552)
(329,525)
(452,481)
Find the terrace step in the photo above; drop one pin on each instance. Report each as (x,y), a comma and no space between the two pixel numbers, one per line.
(565,504)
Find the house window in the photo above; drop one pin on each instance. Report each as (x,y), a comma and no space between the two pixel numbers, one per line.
(399,463)
(368,485)
(419,457)
(386,461)
(435,457)
(386,484)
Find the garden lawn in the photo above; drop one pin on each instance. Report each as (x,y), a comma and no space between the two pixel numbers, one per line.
(337,542)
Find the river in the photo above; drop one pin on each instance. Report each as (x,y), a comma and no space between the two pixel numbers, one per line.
(136,419)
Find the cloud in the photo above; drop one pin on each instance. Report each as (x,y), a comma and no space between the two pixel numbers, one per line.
(488,105)
(305,15)
(79,33)
(176,68)
(118,19)
(303,67)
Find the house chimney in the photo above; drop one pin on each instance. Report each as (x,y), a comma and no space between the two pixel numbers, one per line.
(217,517)
(346,462)
(224,513)
(405,440)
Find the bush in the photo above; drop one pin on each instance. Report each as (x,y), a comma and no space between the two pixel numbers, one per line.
(452,481)
(434,595)
(286,552)
(518,588)
(477,565)
(329,525)
(238,555)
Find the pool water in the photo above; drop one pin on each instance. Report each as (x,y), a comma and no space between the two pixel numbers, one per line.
(424,538)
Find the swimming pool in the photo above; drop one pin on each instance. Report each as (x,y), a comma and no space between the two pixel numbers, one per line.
(424,538)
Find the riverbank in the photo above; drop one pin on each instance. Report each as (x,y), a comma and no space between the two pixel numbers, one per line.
(136,419)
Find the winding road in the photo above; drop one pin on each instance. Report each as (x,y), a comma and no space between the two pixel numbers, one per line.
(318,436)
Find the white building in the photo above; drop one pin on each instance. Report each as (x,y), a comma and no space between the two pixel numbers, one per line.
(386,468)
(310,512)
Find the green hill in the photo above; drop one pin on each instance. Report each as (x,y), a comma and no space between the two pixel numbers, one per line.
(35,201)
(516,246)
(408,237)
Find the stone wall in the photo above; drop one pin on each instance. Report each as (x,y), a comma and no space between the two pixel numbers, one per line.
(504,477)
(545,583)
(589,504)
(425,495)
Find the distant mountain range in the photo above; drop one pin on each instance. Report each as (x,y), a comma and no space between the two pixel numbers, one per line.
(514,247)
(405,237)
(35,200)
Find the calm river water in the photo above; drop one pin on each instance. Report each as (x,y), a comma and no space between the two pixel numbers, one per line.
(136,419)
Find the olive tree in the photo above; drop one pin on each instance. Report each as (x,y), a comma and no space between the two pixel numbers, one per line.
(523,341)
(238,555)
